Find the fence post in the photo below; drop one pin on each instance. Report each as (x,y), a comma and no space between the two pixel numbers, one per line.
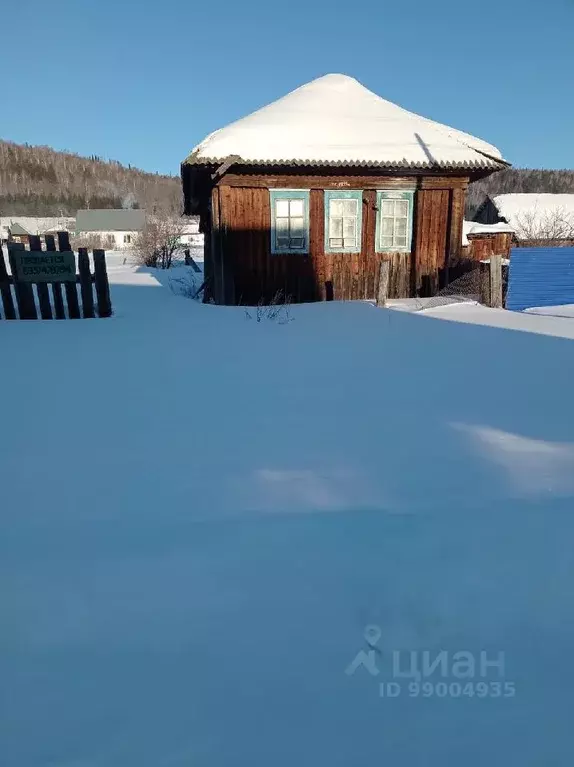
(70,287)
(56,286)
(5,292)
(41,287)
(102,285)
(383,289)
(86,283)
(23,290)
(496,282)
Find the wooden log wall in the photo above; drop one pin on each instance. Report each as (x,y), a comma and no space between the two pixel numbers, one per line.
(242,269)
(483,245)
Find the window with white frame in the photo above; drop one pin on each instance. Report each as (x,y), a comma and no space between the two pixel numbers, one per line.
(343,212)
(127,239)
(343,224)
(395,215)
(290,219)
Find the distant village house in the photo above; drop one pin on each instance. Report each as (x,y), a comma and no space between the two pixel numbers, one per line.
(112,229)
(18,228)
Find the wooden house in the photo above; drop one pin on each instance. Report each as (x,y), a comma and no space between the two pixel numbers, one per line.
(306,196)
(115,229)
(17,233)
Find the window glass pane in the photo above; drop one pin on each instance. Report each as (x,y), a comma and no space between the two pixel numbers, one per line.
(336,242)
(401,227)
(349,227)
(402,208)
(297,208)
(401,242)
(281,207)
(387,242)
(350,207)
(387,227)
(350,242)
(297,227)
(388,207)
(282,242)
(282,226)
(336,208)
(297,242)
(335,227)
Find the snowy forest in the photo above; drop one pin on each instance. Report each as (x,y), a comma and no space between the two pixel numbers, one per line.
(39,181)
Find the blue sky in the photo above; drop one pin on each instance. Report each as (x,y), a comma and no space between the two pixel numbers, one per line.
(143,82)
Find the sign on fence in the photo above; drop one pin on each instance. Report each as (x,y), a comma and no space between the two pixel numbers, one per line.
(46,280)
(38,266)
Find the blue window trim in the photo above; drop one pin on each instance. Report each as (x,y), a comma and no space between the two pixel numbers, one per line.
(344,195)
(394,194)
(289,194)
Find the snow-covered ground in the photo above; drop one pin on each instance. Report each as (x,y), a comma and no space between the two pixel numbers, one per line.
(564,310)
(201,514)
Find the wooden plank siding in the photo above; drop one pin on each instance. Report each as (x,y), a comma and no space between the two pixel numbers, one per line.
(342,180)
(242,270)
(431,238)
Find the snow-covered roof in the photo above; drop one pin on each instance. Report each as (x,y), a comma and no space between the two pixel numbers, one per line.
(335,120)
(538,215)
(471,227)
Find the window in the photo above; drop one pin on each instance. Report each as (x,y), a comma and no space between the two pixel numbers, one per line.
(394,220)
(290,221)
(343,214)
(127,239)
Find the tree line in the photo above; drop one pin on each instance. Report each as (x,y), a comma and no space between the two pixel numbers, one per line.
(40,181)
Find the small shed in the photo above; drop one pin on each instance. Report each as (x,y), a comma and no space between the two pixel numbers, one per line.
(543,219)
(306,196)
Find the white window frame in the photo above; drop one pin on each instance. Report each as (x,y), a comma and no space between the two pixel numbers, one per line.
(332,196)
(290,196)
(405,240)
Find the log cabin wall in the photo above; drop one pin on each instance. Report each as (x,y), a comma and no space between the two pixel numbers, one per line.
(482,245)
(243,270)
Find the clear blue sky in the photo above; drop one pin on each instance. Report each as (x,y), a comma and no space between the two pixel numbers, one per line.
(144,81)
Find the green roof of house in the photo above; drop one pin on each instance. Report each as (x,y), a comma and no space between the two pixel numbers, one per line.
(19,231)
(110,220)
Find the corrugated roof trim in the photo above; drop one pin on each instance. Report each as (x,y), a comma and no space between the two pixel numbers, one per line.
(476,164)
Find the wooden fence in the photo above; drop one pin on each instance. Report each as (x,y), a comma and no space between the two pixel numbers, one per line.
(17,299)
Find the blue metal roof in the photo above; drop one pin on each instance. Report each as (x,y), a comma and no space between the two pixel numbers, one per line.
(540,277)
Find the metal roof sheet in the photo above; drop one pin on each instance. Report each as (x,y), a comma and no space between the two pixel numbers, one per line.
(540,277)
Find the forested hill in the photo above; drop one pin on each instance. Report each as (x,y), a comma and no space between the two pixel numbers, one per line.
(519,180)
(39,181)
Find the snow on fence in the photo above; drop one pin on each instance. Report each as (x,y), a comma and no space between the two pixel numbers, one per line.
(55,267)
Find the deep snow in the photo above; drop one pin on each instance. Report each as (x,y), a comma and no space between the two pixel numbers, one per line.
(201,513)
